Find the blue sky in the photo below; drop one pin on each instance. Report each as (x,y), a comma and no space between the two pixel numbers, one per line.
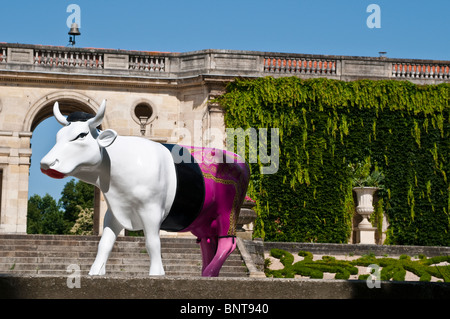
(409,29)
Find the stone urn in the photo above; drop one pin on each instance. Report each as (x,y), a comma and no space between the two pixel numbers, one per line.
(244,224)
(364,197)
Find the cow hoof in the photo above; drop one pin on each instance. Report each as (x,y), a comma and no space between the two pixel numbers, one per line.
(97,271)
(156,272)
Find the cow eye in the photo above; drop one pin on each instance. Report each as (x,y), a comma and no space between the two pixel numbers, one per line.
(80,136)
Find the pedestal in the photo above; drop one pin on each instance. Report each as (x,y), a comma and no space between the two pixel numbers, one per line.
(244,224)
(365,235)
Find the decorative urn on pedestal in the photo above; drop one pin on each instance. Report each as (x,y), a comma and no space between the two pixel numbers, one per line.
(366,182)
(366,232)
(244,224)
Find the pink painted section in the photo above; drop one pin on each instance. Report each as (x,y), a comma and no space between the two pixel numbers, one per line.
(226,178)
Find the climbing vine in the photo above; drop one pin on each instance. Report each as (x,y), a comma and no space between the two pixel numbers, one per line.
(325,126)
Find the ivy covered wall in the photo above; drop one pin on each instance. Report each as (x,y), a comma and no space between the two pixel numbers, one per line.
(325,126)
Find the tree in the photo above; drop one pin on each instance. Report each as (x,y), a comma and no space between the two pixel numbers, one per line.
(76,194)
(44,216)
(84,223)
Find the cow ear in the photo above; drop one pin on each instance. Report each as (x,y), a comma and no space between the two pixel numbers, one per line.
(106,138)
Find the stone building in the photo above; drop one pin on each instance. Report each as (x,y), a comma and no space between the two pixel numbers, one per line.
(162,96)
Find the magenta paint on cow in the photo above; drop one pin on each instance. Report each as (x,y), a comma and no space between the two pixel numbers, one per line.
(153,186)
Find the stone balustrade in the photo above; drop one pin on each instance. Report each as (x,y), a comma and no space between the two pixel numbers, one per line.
(147,63)
(223,63)
(408,70)
(299,65)
(63,58)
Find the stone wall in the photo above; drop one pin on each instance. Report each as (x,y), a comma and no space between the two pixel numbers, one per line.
(177,86)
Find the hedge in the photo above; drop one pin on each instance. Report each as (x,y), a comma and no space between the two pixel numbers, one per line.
(325,126)
(392,268)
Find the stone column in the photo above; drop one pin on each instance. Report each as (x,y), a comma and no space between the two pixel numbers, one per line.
(15,165)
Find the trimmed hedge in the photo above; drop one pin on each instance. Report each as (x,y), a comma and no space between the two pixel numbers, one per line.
(392,268)
(327,125)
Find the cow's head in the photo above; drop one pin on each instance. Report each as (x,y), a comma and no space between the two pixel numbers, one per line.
(78,145)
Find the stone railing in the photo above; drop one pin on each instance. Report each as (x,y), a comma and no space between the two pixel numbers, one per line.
(147,63)
(417,70)
(226,64)
(299,65)
(64,58)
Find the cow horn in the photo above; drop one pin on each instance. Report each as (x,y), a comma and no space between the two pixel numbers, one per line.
(59,117)
(97,120)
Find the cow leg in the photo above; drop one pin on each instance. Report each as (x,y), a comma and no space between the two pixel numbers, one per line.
(208,247)
(152,223)
(111,230)
(225,247)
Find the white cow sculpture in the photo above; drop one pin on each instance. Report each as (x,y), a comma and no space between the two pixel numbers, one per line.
(145,188)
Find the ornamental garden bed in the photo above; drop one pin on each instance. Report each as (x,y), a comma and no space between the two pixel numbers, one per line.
(280,263)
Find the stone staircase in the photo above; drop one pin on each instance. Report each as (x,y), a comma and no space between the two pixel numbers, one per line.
(52,255)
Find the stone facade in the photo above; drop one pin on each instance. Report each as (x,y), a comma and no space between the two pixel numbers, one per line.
(176,87)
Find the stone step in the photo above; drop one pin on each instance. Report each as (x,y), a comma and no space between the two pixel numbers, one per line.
(115,261)
(52,254)
(173,254)
(33,244)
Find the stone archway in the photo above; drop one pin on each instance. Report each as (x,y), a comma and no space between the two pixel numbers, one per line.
(69,102)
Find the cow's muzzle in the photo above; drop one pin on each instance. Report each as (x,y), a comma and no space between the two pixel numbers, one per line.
(47,170)
(53,173)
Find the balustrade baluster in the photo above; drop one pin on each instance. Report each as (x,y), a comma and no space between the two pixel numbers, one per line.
(4,57)
(145,66)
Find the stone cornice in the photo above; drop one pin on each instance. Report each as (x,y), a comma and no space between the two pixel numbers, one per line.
(38,64)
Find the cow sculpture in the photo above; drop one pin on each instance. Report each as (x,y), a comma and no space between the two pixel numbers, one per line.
(151,186)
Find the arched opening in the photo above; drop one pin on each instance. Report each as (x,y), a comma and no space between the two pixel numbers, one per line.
(44,127)
(66,106)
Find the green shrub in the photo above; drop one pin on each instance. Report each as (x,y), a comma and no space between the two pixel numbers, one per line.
(392,268)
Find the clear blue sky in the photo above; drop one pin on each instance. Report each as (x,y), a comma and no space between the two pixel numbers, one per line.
(409,29)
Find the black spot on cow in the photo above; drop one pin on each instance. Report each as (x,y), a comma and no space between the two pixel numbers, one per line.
(79,117)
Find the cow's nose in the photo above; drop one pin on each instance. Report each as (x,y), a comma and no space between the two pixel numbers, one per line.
(45,164)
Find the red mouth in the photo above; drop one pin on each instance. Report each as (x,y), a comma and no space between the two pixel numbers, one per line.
(52,173)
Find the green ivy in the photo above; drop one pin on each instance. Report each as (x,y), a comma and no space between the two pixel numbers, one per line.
(325,126)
